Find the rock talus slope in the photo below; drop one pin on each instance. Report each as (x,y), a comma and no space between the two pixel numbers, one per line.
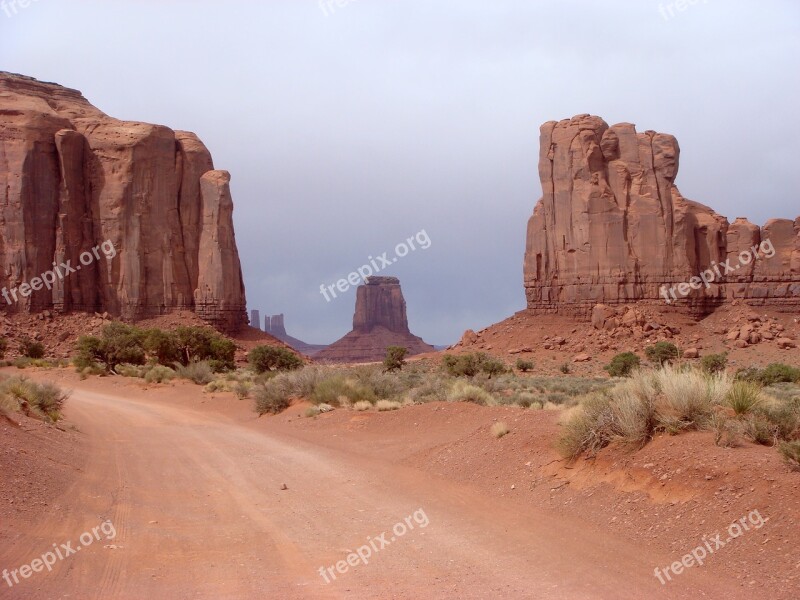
(380,321)
(613,228)
(72,178)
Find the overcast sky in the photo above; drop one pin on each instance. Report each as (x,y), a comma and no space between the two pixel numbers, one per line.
(350,129)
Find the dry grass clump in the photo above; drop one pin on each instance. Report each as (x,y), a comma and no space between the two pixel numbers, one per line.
(40,400)
(362,406)
(461,391)
(499,430)
(387,405)
(673,400)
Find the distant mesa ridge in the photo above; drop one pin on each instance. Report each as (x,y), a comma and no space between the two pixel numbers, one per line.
(613,228)
(380,321)
(274,325)
(73,177)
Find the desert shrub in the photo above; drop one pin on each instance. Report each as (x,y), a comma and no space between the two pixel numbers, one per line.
(31,348)
(242,389)
(778,373)
(588,430)
(565,369)
(387,405)
(273,358)
(662,353)
(791,454)
(557,398)
(118,344)
(3,347)
(461,391)
(669,400)
(159,374)
(126,370)
(783,417)
(384,385)
(524,365)
(772,374)
(200,372)
(744,396)
(339,389)
(465,365)
(362,406)
(525,399)
(272,397)
(759,430)
(198,344)
(714,363)
(433,388)
(45,400)
(622,365)
(493,366)
(395,358)
(499,430)
(162,346)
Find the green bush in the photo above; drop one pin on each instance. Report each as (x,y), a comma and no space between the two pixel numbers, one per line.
(395,358)
(662,353)
(119,344)
(524,365)
(463,365)
(162,346)
(273,358)
(493,366)
(31,348)
(197,344)
(744,396)
(622,365)
(159,374)
(469,365)
(714,363)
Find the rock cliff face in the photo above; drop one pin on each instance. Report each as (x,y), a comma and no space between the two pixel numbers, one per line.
(380,321)
(72,178)
(613,228)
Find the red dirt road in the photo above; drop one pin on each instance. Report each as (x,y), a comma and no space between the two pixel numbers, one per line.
(199,512)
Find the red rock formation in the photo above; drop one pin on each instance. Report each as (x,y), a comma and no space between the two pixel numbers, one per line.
(275,326)
(613,228)
(380,321)
(72,178)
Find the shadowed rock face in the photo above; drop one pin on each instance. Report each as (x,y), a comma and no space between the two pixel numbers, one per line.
(71,178)
(380,321)
(613,228)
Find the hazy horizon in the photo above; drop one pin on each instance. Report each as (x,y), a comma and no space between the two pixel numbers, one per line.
(350,131)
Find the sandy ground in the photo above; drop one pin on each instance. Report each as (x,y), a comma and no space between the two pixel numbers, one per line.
(193,487)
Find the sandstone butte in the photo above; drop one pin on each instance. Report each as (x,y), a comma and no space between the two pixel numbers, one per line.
(72,178)
(612,228)
(380,321)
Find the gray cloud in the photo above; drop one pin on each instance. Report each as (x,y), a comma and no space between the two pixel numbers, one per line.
(346,134)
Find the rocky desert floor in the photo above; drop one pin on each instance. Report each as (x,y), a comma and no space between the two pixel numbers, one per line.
(209,501)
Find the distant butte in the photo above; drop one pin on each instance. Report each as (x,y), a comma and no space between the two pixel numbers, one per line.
(380,321)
